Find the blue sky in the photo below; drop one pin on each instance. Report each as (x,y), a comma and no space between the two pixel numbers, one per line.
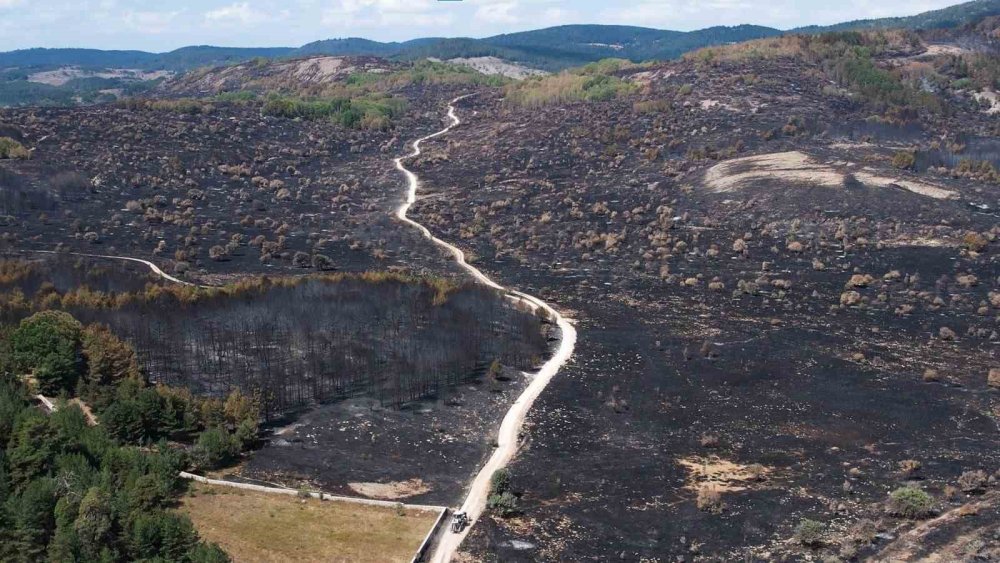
(165,25)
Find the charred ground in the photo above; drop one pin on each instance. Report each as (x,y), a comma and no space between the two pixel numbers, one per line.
(771,338)
(781,256)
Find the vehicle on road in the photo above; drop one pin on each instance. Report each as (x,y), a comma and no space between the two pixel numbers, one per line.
(459,521)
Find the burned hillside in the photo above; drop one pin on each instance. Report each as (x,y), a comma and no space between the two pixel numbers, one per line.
(786,285)
(203,187)
(294,341)
(780,256)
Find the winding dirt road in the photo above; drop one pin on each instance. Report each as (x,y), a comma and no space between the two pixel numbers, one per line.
(510,427)
(155,269)
(507,439)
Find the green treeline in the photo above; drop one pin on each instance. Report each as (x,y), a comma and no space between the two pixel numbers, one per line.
(370,113)
(77,489)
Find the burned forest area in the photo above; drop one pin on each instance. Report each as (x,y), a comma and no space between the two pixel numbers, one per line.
(780,258)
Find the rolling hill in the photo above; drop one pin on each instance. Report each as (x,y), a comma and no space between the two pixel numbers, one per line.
(952,16)
(550,49)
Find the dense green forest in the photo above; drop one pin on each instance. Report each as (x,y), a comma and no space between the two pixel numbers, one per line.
(72,490)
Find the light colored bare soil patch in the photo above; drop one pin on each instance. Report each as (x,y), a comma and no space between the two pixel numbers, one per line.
(319,69)
(649,76)
(922,188)
(391,491)
(935,50)
(923,242)
(91,419)
(260,527)
(798,168)
(792,166)
(992,98)
(713,105)
(497,66)
(723,475)
(850,145)
(61,76)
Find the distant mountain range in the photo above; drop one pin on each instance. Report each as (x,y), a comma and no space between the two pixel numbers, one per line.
(549,49)
(953,16)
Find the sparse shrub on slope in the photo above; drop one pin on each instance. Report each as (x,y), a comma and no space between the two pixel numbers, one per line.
(846,57)
(810,533)
(9,148)
(183,105)
(594,82)
(371,113)
(910,502)
(424,72)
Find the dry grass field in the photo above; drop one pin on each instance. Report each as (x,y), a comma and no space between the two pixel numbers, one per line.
(262,527)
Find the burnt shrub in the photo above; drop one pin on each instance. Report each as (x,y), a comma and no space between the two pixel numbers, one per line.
(301,260)
(863,531)
(322,262)
(904,160)
(972,481)
(993,378)
(70,185)
(217,253)
(710,499)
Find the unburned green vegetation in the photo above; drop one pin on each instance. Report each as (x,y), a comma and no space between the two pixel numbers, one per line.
(58,356)
(183,105)
(367,99)
(849,58)
(69,490)
(9,148)
(502,499)
(594,82)
(421,73)
(370,112)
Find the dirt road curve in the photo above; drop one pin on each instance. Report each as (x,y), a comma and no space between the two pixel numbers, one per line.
(475,502)
(156,269)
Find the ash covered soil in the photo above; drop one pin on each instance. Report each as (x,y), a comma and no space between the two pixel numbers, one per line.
(423,453)
(168,186)
(774,322)
(212,189)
